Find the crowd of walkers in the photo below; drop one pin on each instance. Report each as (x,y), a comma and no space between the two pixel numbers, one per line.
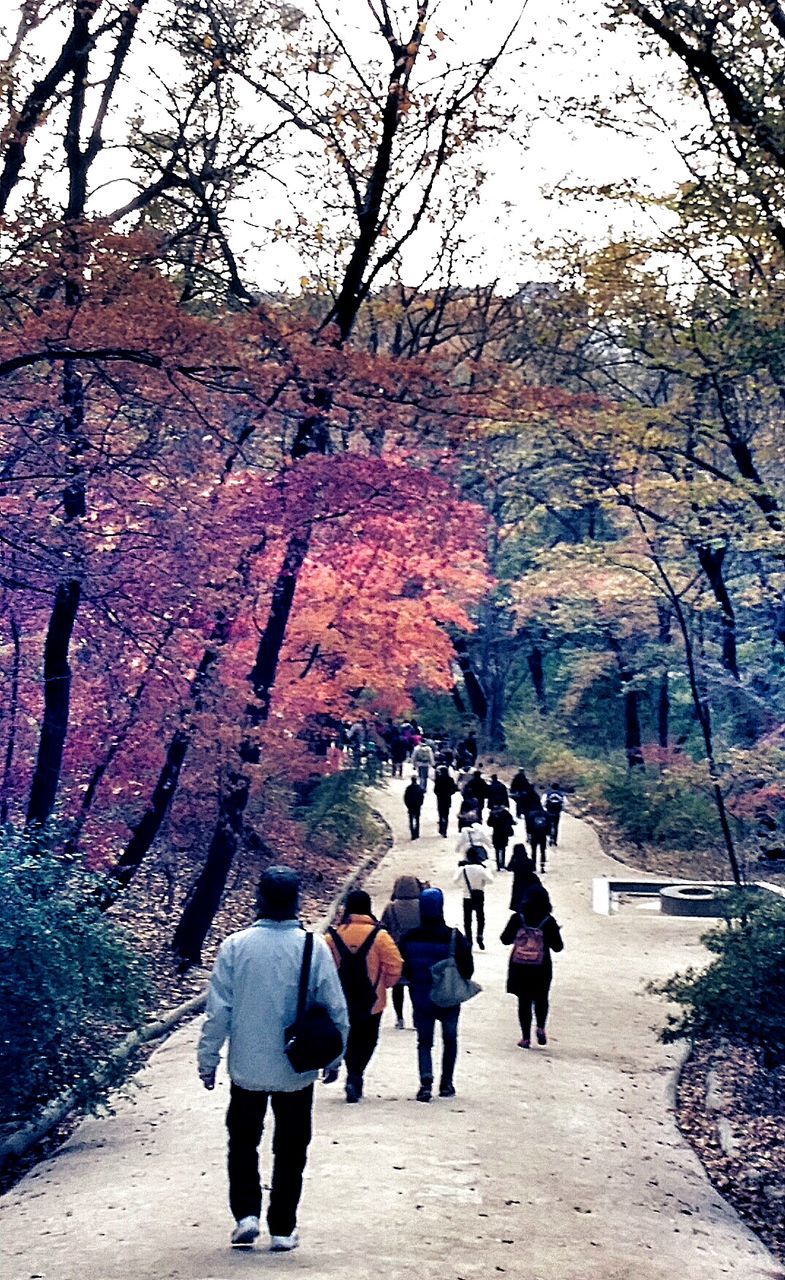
(267,975)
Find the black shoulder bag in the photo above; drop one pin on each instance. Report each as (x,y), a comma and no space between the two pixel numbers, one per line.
(312,1041)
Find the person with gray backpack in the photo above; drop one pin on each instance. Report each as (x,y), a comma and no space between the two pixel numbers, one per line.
(534,934)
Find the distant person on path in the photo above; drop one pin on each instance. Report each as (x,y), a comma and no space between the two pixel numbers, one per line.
(523,793)
(537,824)
(421,949)
(397,748)
(423,760)
(502,825)
(368,963)
(444,787)
(476,791)
(401,914)
(498,794)
(534,934)
(554,807)
(474,877)
(473,836)
(413,797)
(524,875)
(252,1001)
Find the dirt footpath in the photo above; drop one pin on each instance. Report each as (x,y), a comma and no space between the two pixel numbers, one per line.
(561,1163)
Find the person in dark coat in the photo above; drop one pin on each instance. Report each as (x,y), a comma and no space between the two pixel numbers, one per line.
(396,744)
(421,948)
(445,787)
(476,792)
(523,793)
(524,876)
(537,831)
(502,825)
(531,983)
(497,793)
(413,797)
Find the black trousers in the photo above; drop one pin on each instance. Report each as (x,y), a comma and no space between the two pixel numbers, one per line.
(362,1040)
(291,1136)
(443,809)
(501,855)
(475,905)
(414,822)
(536,993)
(398,993)
(553,827)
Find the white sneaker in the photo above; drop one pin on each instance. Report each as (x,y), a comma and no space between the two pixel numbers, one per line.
(245,1233)
(282,1244)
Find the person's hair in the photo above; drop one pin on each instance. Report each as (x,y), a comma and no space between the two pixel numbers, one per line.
(278,893)
(472,854)
(358,903)
(494,777)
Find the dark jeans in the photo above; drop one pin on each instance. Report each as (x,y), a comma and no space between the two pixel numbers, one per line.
(291,1135)
(422,776)
(398,992)
(474,906)
(414,822)
(444,816)
(501,856)
(425,1021)
(363,1038)
(536,995)
(553,827)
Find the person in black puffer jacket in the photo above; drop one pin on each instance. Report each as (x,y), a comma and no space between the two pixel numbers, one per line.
(421,948)
(531,983)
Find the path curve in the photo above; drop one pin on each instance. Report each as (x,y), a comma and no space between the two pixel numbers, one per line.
(555,1164)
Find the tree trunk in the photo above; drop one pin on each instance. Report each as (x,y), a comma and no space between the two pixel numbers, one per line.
(537,672)
(663,694)
(474,690)
(205,896)
(13,713)
(631,699)
(711,560)
(57,698)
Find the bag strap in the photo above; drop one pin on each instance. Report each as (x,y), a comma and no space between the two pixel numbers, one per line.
(362,950)
(367,943)
(468,882)
(305,974)
(452,944)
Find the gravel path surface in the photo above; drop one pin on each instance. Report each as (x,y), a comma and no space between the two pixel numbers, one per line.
(561,1163)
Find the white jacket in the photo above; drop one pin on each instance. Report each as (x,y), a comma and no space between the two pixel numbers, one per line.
(473,835)
(473,876)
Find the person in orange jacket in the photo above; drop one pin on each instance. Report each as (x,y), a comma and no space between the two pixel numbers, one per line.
(368,964)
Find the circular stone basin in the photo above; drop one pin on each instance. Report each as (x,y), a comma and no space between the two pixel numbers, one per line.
(691,900)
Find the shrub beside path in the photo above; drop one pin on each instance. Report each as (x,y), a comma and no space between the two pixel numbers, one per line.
(562,1163)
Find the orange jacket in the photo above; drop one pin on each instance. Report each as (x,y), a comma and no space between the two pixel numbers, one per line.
(384,958)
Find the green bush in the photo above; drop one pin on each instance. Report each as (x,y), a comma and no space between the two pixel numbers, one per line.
(336,814)
(741,994)
(539,747)
(653,809)
(69,978)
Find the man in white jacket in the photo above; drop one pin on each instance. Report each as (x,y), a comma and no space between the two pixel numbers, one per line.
(474,877)
(251,1001)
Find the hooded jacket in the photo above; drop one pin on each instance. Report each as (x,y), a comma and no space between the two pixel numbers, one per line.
(402,912)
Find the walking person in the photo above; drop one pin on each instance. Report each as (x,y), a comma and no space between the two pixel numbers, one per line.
(474,877)
(423,760)
(476,790)
(537,831)
(368,964)
(421,948)
(524,875)
(397,748)
(502,825)
(554,807)
(401,914)
(522,792)
(444,788)
(498,794)
(473,836)
(252,1001)
(534,934)
(413,797)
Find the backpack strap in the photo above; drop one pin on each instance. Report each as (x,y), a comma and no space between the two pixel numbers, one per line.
(305,974)
(367,943)
(362,950)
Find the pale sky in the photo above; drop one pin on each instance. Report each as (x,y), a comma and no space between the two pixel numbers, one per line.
(563,54)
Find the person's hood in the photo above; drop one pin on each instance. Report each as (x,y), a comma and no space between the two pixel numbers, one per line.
(406,887)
